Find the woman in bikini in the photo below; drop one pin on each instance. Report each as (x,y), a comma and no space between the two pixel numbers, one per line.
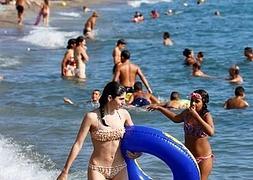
(106,127)
(68,65)
(44,12)
(198,125)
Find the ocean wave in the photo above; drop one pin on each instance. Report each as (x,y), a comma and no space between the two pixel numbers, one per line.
(137,4)
(9,61)
(20,162)
(69,14)
(48,37)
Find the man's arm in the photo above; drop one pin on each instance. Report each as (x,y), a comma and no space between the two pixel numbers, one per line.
(144,80)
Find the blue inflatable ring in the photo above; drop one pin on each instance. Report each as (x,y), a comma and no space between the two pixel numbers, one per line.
(167,148)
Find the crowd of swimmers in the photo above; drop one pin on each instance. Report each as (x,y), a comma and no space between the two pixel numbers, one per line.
(106,122)
(124,91)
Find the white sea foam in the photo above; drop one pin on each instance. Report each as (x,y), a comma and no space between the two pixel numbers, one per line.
(14,165)
(8,61)
(48,37)
(70,14)
(138,3)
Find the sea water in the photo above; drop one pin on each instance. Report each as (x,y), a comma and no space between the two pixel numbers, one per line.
(37,129)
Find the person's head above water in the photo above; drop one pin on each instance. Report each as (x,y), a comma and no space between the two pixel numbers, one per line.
(174,95)
(138,86)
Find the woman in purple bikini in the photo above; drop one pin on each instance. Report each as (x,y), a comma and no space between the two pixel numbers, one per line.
(198,125)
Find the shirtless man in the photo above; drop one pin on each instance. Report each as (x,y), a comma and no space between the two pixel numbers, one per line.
(126,73)
(238,101)
(116,53)
(234,75)
(20,6)
(90,25)
(81,57)
(196,71)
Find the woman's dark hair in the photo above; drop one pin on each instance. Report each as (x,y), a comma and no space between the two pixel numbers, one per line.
(70,43)
(112,89)
(166,35)
(79,39)
(174,95)
(205,100)
(239,91)
(187,52)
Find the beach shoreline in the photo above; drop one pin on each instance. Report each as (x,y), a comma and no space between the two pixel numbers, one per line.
(8,13)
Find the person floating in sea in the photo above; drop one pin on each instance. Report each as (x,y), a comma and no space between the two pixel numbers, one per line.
(234,75)
(169,12)
(196,71)
(167,41)
(116,53)
(217,13)
(95,96)
(138,17)
(126,73)
(176,102)
(198,126)
(238,101)
(20,7)
(89,26)
(81,57)
(248,53)
(85,9)
(106,126)
(44,13)
(154,14)
(140,98)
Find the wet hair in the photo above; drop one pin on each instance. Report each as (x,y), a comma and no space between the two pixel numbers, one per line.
(174,95)
(121,41)
(248,50)
(166,35)
(239,91)
(138,86)
(112,89)
(187,52)
(79,39)
(125,54)
(95,14)
(205,100)
(70,43)
(200,54)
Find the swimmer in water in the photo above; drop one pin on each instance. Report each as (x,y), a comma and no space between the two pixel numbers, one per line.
(238,101)
(140,98)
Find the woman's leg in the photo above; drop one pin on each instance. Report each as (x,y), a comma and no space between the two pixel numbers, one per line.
(205,167)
